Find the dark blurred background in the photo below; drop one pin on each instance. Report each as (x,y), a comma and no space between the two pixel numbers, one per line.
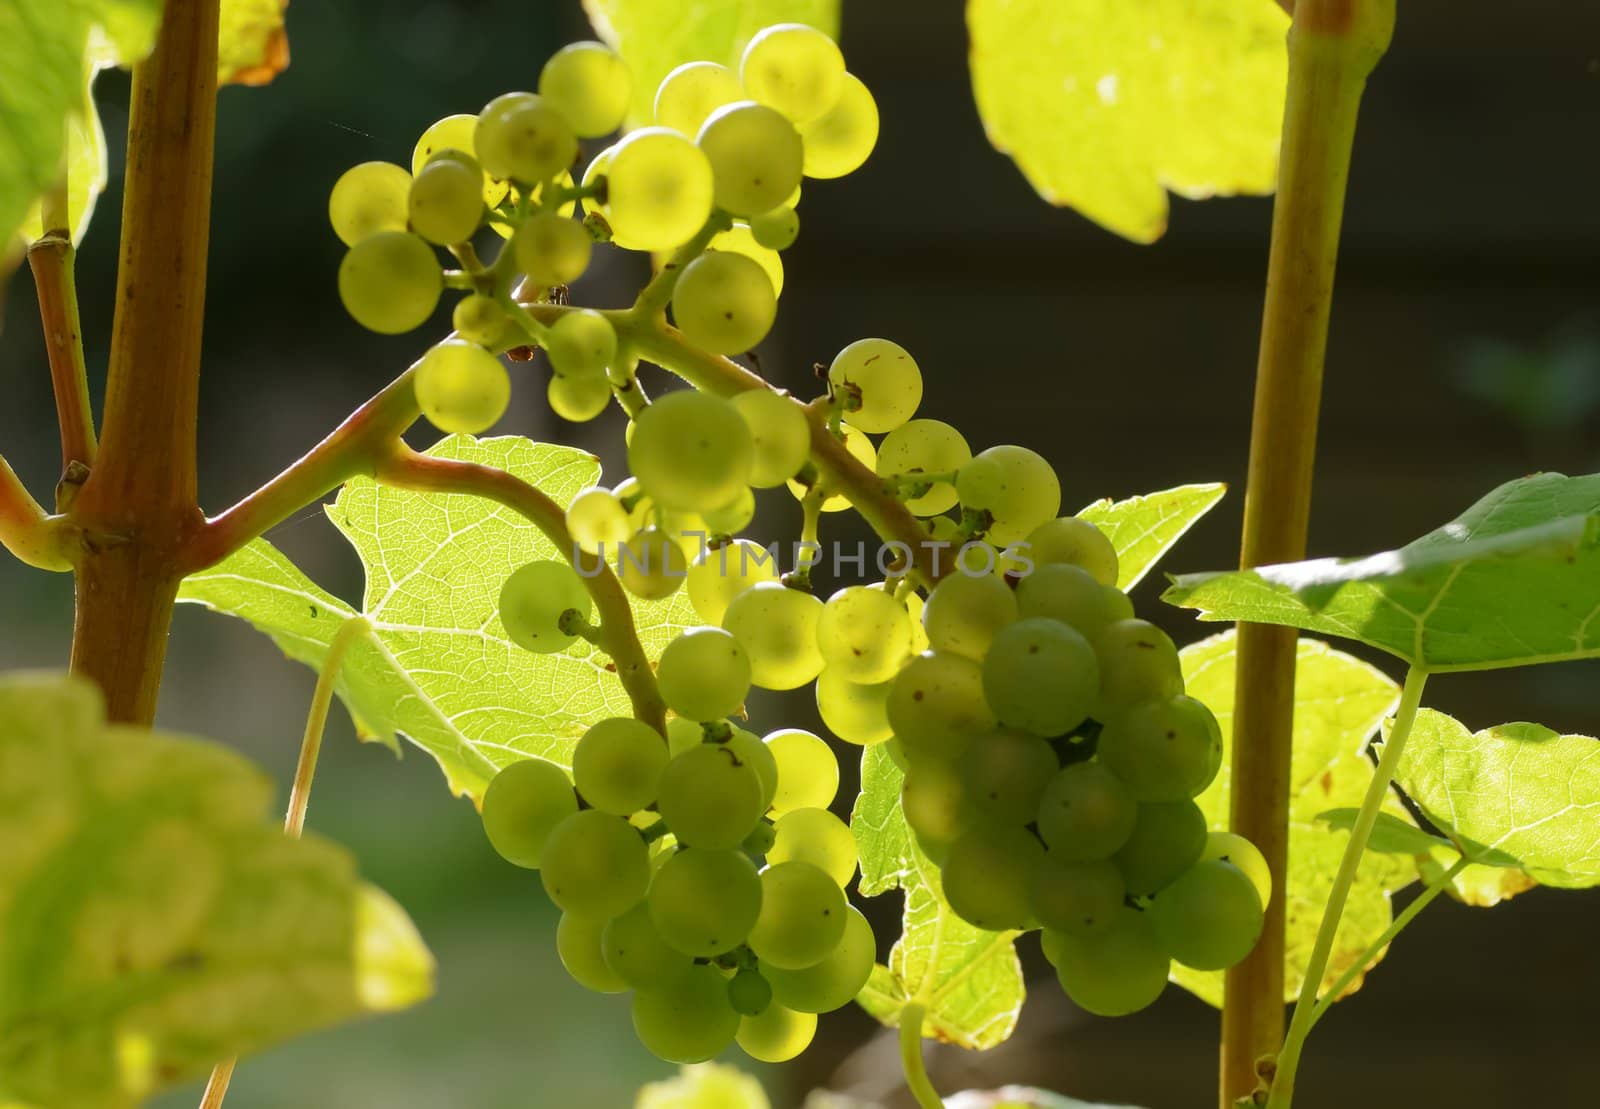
(1465,351)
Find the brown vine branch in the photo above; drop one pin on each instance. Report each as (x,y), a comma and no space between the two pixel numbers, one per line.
(52,260)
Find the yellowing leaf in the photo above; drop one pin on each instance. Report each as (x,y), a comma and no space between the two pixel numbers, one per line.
(252,45)
(1107,104)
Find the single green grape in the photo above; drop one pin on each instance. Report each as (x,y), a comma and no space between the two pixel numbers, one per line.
(1005,776)
(1015,486)
(722,573)
(1086,813)
(861,449)
(523,137)
(687,1020)
(704,674)
(651,565)
(925,447)
(578,398)
(589,85)
(755,156)
(1230,847)
(581,344)
(704,902)
(749,993)
(777,1034)
(817,837)
(854,712)
(1070,594)
(1210,917)
(760,840)
(779,434)
(1074,540)
(1138,663)
(552,249)
(936,806)
(578,945)
(597,521)
(461,388)
(658,189)
(533,601)
(1167,840)
(748,748)
(456,133)
(864,634)
(808,772)
(802,916)
(595,865)
(522,806)
(690,450)
(390,282)
(734,516)
(1078,898)
(988,873)
(480,319)
(883,378)
(840,141)
(1163,750)
(636,952)
(794,68)
(937,706)
(709,797)
(446,199)
(776,229)
(1116,971)
(692,92)
(739,239)
(778,629)
(723,303)
(1040,676)
(835,981)
(368,198)
(617,765)
(963,613)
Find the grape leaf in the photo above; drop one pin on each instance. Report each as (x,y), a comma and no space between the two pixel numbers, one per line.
(1477,885)
(968,980)
(1339,703)
(1513,580)
(1390,835)
(1143,529)
(656,36)
(1517,795)
(1106,104)
(155,919)
(438,668)
(252,46)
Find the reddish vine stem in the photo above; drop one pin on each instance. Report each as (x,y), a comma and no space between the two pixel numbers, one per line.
(52,259)
(34,537)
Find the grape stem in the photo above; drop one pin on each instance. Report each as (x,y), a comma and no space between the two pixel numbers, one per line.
(654,297)
(305,771)
(37,539)
(911,1061)
(52,259)
(1305,1008)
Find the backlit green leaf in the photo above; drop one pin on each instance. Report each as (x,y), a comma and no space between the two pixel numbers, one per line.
(1390,835)
(153,916)
(438,668)
(1513,580)
(252,47)
(1143,529)
(1105,105)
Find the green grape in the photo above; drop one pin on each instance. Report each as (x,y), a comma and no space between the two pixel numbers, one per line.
(578,945)
(390,282)
(1086,813)
(446,200)
(690,450)
(479,319)
(925,447)
(1074,540)
(705,902)
(581,344)
(739,239)
(523,137)
(748,748)
(964,613)
(802,916)
(522,806)
(580,398)
(368,198)
(704,674)
(1078,898)
(795,69)
(777,1035)
(760,840)
(936,705)
(589,85)
(1116,971)
(658,190)
(618,763)
(710,797)
(1061,591)
(595,865)
(651,565)
(841,140)
(597,521)
(552,249)
(864,634)
(533,600)
(835,981)
(1015,486)
(1209,918)
(1138,663)
(1166,841)
(883,378)
(779,432)
(861,449)
(919,635)
(1163,750)
(733,516)
(456,133)
(778,628)
(721,574)
(1040,676)
(817,837)
(776,229)
(1006,775)
(854,712)
(988,873)
(936,806)
(724,303)
(1231,847)
(687,1020)
(637,954)
(755,156)
(683,734)
(461,388)
(808,773)
(749,993)
(692,92)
